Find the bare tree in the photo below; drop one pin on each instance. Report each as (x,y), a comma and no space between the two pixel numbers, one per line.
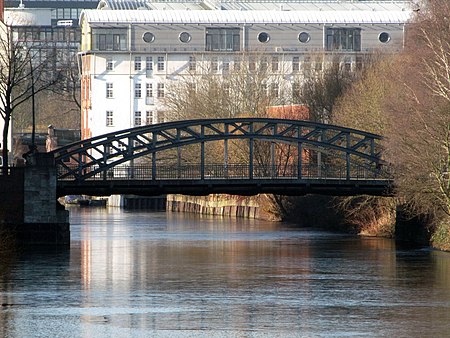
(24,72)
(323,87)
(419,119)
(244,87)
(407,99)
(363,106)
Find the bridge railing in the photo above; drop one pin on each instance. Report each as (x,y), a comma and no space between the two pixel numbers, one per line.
(234,171)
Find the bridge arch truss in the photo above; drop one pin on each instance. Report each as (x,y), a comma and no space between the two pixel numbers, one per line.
(311,151)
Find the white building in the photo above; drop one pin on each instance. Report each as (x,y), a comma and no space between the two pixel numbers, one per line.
(129,56)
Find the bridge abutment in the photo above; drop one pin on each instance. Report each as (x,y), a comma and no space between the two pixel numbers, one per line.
(31,210)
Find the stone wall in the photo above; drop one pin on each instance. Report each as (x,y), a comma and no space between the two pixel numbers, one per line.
(29,206)
(222,205)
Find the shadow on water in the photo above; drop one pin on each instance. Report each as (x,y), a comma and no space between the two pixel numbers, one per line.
(8,252)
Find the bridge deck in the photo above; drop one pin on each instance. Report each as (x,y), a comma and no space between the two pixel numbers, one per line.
(227,186)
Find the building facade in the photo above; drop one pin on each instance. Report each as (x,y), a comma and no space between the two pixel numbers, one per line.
(50,29)
(130,57)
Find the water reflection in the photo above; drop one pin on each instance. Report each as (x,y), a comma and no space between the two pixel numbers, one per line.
(174,275)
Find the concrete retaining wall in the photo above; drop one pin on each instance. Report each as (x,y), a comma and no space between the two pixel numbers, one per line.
(221,204)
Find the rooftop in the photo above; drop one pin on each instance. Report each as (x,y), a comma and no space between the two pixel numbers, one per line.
(293,5)
(102,17)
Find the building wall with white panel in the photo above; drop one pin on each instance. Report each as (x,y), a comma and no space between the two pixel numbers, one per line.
(130,57)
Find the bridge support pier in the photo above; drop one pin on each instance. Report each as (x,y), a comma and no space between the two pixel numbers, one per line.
(38,217)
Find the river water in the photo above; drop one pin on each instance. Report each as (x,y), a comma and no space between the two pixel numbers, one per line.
(142,274)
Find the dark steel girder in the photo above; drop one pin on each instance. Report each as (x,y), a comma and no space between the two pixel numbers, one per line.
(106,151)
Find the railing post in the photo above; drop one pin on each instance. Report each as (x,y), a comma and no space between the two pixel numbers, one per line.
(347,158)
(202,154)
(250,165)
(154,136)
(80,166)
(225,145)
(299,160)
(105,160)
(272,153)
(178,155)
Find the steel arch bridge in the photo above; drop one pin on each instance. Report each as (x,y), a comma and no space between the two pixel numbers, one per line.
(238,156)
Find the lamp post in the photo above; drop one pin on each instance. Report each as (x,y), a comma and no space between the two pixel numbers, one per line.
(33,146)
(33,112)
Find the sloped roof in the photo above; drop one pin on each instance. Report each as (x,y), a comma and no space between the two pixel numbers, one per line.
(101,17)
(295,5)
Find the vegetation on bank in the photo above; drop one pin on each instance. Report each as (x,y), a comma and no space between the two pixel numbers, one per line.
(406,98)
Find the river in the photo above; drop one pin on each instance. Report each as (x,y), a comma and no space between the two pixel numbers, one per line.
(144,274)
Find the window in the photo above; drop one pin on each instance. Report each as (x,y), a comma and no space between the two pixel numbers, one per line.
(105,41)
(347,64)
(149,63)
(149,90)
(318,64)
(263,37)
(137,91)
(275,64)
(214,64)
(185,37)
(160,116)
(101,42)
(251,65)
(137,118)
(226,89)
(295,64)
(296,91)
(384,37)
(264,88)
(137,63)
(306,64)
(274,90)
(359,63)
(148,37)
(237,64)
(263,65)
(109,64)
(160,90)
(161,63)
(223,39)
(149,94)
(148,117)
(109,90)
(304,37)
(192,64)
(116,42)
(345,39)
(226,66)
(109,118)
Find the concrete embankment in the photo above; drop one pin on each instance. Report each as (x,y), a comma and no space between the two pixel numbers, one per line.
(223,205)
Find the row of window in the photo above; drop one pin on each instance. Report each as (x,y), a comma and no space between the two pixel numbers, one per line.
(228,39)
(148,91)
(139,118)
(138,63)
(263,64)
(47,34)
(160,91)
(66,13)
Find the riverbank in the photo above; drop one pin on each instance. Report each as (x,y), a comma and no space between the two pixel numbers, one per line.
(378,218)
